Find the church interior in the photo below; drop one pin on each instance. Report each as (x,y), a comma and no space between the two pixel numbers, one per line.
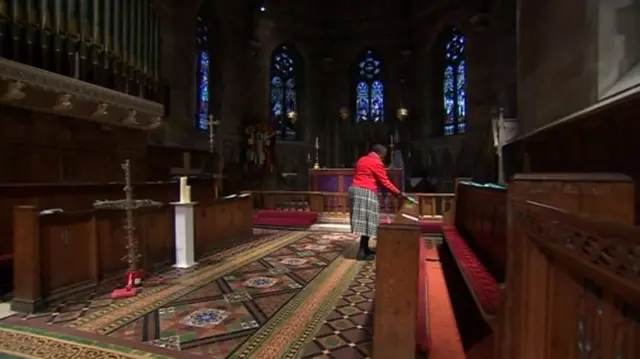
(174,179)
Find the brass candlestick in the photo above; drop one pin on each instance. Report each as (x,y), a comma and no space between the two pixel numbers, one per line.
(316,165)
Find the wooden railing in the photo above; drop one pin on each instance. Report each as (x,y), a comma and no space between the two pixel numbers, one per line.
(61,253)
(573,286)
(431,205)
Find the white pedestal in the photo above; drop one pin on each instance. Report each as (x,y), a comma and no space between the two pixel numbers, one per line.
(185,257)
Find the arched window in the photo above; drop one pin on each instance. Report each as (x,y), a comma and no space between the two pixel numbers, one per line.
(202,71)
(369,89)
(455,85)
(285,68)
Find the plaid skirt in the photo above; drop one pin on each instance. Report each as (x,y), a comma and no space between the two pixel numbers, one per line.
(365,211)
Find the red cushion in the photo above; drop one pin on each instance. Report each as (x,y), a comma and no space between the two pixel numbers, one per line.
(482,283)
(271,213)
(282,222)
(423,337)
(427,226)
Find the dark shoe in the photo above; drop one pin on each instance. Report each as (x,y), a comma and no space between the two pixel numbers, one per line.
(370,251)
(364,256)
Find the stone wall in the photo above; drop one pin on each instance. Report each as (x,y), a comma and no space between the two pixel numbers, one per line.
(407,36)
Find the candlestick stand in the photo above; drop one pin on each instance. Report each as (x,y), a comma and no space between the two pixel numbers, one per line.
(128,204)
(316,165)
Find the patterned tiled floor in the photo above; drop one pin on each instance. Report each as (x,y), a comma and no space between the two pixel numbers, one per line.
(216,318)
(347,331)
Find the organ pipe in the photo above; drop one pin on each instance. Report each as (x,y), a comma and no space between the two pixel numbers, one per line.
(96,24)
(72,18)
(132,32)
(124,8)
(156,47)
(83,20)
(117,27)
(106,21)
(113,32)
(139,37)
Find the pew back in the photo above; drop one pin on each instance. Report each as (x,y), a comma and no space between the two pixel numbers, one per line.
(80,196)
(573,289)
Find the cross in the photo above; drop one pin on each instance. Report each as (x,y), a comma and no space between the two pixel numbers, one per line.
(212,125)
(186,169)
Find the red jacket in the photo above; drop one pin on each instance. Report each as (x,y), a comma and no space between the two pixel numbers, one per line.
(370,173)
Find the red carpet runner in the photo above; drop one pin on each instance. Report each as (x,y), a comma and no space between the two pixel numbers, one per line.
(445,340)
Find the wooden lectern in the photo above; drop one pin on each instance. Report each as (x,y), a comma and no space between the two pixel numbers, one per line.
(396,301)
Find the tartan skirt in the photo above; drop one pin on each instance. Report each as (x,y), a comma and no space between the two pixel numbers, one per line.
(364,211)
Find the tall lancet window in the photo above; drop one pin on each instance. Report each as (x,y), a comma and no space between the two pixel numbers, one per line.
(202,71)
(369,89)
(455,85)
(285,67)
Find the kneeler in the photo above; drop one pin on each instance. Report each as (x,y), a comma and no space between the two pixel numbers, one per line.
(400,314)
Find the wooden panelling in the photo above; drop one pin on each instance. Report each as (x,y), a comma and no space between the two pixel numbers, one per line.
(481,217)
(58,254)
(70,197)
(219,223)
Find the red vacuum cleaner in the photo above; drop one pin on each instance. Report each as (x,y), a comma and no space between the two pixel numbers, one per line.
(134,277)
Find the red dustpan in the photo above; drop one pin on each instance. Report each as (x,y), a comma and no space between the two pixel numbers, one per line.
(129,290)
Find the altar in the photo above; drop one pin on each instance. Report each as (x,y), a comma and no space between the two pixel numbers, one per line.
(338,180)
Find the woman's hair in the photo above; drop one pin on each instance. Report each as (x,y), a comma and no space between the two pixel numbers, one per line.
(379,149)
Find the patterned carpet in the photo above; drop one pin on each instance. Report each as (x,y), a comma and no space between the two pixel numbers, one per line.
(274,297)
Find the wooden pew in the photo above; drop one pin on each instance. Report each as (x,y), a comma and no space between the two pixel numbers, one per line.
(477,241)
(62,253)
(222,223)
(549,199)
(80,196)
(399,305)
(572,288)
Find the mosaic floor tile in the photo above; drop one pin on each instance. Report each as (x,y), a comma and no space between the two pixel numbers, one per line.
(294,262)
(315,247)
(217,350)
(191,322)
(308,274)
(259,283)
(331,341)
(329,256)
(210,290)
(269,305)
(347,329)
(252,267)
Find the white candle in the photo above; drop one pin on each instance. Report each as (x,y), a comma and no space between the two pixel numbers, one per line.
(183,185)
(187,194)
(317,143)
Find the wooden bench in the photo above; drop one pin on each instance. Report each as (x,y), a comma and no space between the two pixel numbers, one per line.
(477,241)
(401,325)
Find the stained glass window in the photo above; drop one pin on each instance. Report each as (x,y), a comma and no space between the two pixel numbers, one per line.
(369,89)
(455,85)
(202,74)
(284,93)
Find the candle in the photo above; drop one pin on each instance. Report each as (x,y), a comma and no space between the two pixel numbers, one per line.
(391,140)
(187,194)
(183,186)
(317,143)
